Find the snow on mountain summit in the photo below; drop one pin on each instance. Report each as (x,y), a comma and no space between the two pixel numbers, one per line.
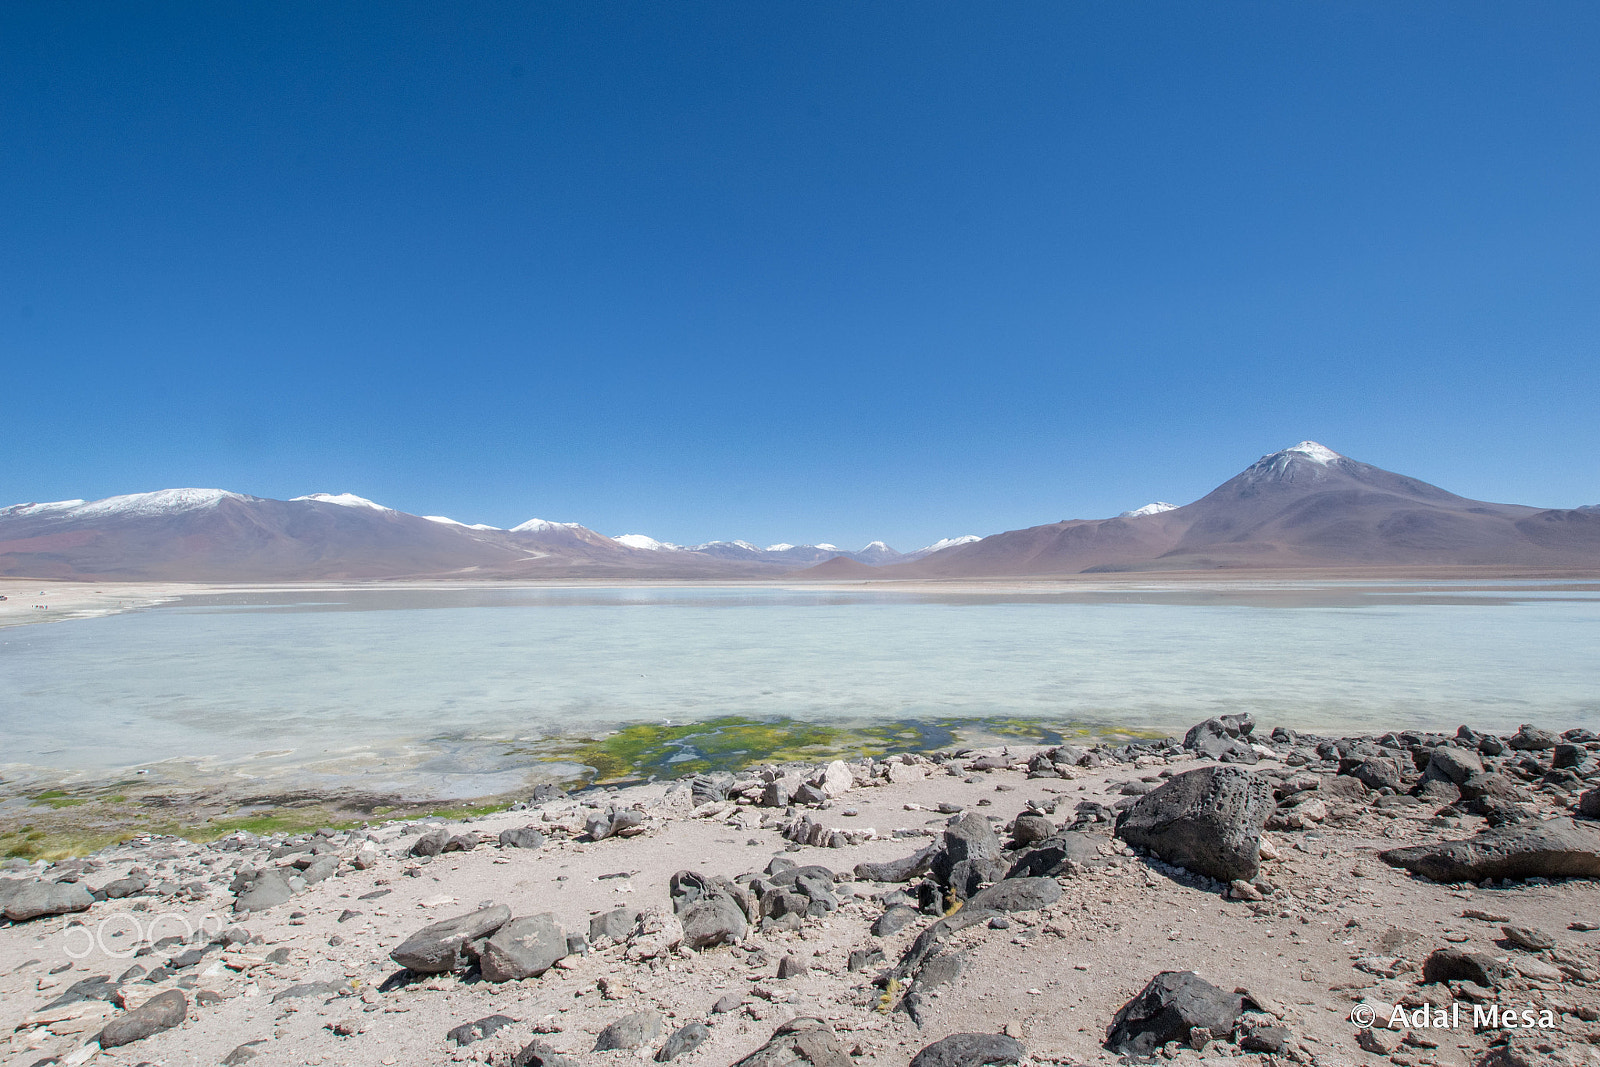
(542,525)
(646,543)
(1293,464)
(448,521)
(948,542)
(1149,509)
(1314,452)
(160,502)
(344,500)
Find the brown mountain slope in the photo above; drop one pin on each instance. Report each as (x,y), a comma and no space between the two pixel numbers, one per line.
(1305,506)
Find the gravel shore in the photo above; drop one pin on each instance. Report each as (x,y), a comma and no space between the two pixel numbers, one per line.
(861,912)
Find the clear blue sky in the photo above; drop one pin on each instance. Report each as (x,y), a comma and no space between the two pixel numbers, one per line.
(795,271)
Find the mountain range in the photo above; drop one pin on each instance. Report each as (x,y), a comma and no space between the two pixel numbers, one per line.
(1303,507)
(216,535)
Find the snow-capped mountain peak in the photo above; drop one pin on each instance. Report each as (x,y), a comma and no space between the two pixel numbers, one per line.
(950,542)
(41,508)
(646,543)
(344,500)
(1314,452)
(541,525)
(781,546)
(1306,461)
(161,502)
(448,521)
(879,545)
(1149,509)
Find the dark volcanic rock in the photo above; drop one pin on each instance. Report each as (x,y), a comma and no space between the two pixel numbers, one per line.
(968,838)
(1017,894)
(37,900)
(1029,829)
(521,837)
(630,1031)
(245,1052)
(269,889)
(1374,772)
(161,1012)
(100,987)
(616,924)
(431,843)
(683,1040)
(970,1050)
(444,946)
(618,822)
(467,1033)
(1568,755)
(1531,738)
(1214,738)
(900,870)
(523,948)
(1173,1003)
(1458,965)
(968,876)
(1447,763)
(894,920)
(1589,804)
(1559,848)
(538,1054)
(1207,820)
(800,1041)
(1273,1040)
(1528,938)
(713,920)
(1058,855)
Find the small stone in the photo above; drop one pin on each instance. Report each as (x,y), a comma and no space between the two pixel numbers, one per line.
(686,1039)
(970,1050)
(1526,937)
(161,1012)
(467,1033)
(1378,1042)
(630,1031)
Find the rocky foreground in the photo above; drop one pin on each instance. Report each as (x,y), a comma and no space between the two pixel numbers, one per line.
(1410,899)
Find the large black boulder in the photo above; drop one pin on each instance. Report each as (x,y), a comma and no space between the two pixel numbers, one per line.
(970,1050)
(1214,738)
(1173,1003)
(1559,848)
(1206,820)
(449,945)
(799,1042)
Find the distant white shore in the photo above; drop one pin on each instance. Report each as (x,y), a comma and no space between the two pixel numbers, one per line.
(36,600)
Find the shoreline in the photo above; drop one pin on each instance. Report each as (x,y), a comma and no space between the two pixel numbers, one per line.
(69,811)
(80,599)
(310,947)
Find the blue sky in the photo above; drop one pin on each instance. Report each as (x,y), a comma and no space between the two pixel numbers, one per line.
(795,272)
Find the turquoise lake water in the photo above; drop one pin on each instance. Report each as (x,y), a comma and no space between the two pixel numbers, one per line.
(413,676)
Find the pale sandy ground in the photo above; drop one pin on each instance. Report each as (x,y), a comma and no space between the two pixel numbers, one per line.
(1054,979)
(34,600)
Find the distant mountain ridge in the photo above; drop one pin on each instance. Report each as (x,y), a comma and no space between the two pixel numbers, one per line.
(218,535)
(1303,506)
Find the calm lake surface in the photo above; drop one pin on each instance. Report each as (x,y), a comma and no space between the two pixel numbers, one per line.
(426,675)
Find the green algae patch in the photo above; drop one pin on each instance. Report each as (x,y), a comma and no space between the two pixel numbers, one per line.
(732,742)
(59,798)
(726,743)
